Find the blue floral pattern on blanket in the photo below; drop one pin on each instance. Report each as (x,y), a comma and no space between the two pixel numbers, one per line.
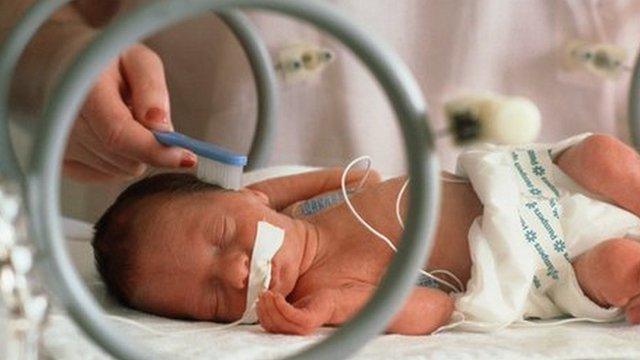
(540,213)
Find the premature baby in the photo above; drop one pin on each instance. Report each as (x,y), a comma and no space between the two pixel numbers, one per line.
(174,246)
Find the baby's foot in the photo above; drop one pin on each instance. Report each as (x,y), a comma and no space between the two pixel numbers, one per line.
(609,274)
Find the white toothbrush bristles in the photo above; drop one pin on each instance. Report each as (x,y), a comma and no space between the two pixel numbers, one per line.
(217,173)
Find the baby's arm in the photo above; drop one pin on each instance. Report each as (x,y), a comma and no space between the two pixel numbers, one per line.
(424,311)
(287,190)
(605,166)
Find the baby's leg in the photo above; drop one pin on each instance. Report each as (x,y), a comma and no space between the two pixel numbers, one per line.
(605,166)
(609,274)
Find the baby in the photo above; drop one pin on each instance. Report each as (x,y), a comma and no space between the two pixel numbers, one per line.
(174,246)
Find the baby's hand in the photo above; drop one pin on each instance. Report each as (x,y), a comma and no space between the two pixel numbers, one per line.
(278,316)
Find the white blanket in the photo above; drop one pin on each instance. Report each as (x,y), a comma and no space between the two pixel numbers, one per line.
(199,340)
(536,219)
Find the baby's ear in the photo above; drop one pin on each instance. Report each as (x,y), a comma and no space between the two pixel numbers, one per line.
(260,195)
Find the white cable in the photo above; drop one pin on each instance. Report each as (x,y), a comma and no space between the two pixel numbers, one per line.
(450,274)
(398,216)
(137,324)
(443,282)
(364,178)
(343,188)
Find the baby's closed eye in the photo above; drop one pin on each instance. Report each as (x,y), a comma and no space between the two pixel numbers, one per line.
(217,233)
(228,231)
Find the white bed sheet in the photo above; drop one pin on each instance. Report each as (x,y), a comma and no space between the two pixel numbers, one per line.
(192,340)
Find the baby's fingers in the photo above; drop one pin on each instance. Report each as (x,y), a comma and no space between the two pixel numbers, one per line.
(144,72)
(273,320)
(264,315)
(300,317)
(268,315)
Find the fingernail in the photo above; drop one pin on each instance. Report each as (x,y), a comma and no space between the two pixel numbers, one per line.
(188,160)
(155,115)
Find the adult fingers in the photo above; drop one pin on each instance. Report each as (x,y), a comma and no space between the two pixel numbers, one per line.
(144,73)
(114,125)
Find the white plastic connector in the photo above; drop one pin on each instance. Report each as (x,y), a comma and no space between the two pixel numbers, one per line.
(511,120)
(489,117)
(602,59)
(299,62)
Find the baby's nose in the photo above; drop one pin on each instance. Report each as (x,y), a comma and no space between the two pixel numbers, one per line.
(237,272)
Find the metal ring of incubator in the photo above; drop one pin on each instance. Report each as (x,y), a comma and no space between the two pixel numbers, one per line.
(633,105)
(255,51)
(43,176)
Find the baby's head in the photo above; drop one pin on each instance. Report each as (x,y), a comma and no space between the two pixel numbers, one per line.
(175,246)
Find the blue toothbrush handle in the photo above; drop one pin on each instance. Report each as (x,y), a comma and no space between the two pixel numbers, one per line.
(200,148)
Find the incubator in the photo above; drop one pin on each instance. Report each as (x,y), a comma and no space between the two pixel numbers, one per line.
(39,183)
(32,247)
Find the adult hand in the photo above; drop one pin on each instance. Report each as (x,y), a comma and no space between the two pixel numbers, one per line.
(111,137)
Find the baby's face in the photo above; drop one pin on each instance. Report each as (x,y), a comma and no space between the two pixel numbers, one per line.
(196,252)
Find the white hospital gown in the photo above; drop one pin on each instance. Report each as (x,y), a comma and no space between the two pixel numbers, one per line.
(510,47)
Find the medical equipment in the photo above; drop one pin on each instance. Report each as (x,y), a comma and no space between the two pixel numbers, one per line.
(269,239)
(317,204)
(216,165)
(326,200)
(42,177)
(601,59)
(494,118)
(41,180)
(299,62)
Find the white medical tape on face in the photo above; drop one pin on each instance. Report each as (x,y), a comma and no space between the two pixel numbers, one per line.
(268,241)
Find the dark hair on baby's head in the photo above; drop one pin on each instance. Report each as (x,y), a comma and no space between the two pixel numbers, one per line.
(114,240)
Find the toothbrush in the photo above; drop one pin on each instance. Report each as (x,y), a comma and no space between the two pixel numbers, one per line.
(215,165)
